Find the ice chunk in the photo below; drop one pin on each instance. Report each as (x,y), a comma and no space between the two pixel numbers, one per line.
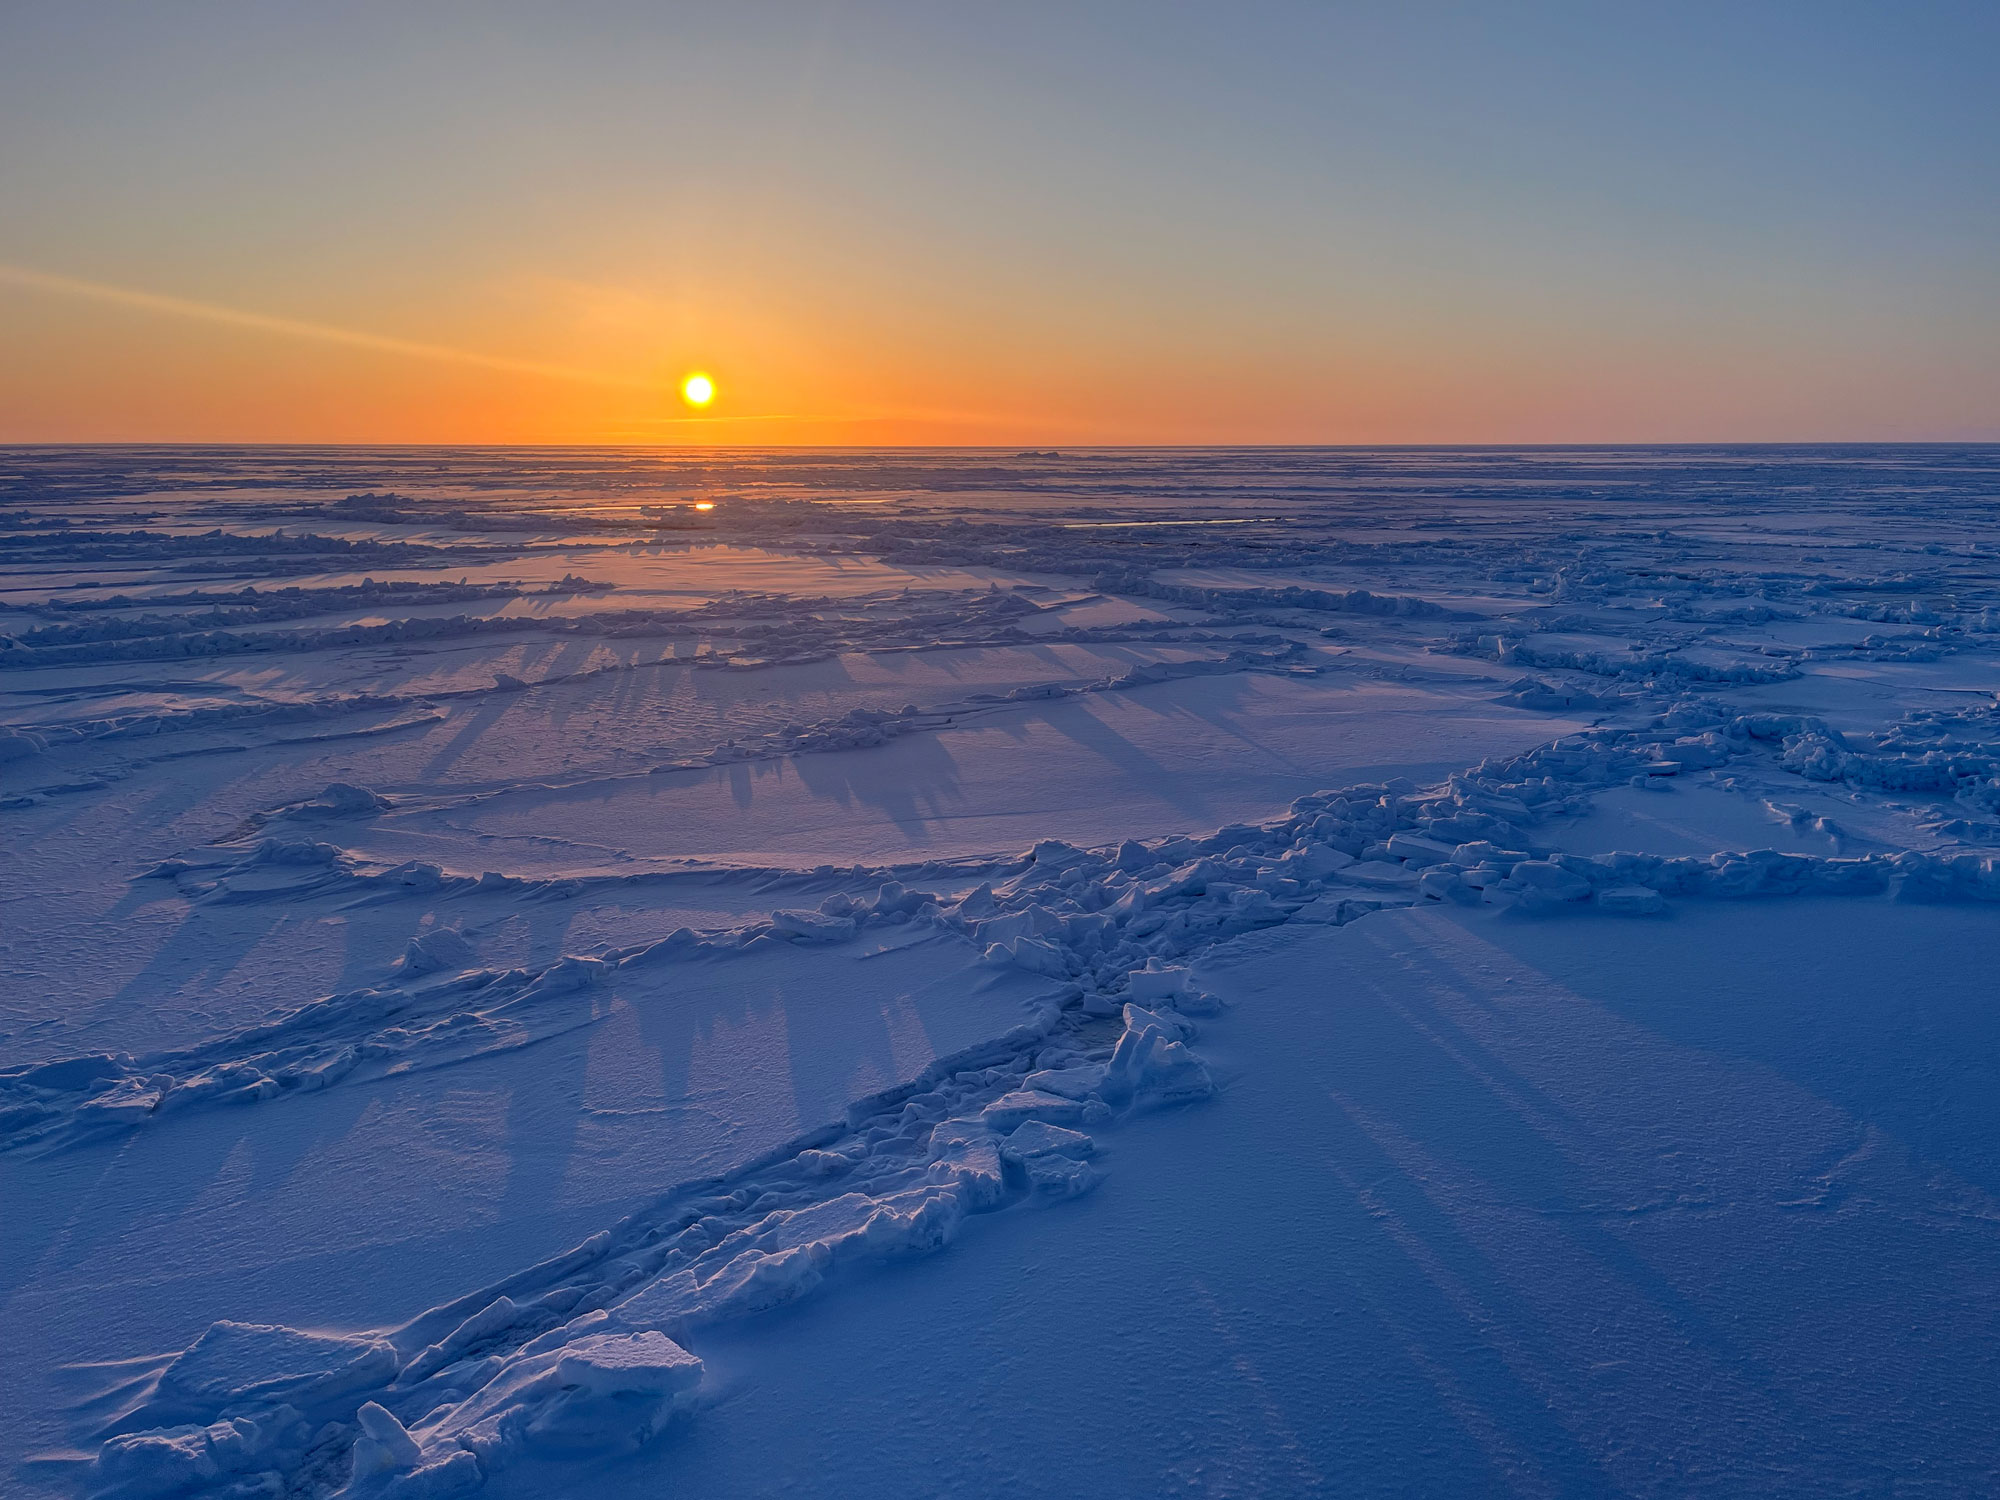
(156,1463)
(171,1460)
(499,1314)
(341,799)
(1632,901)
(813,926)
(235,1362)
(1150,985)
(1418,852)
(1060,1176)
(1077,1083)
(787,1253)
(600,1395)
(647,1363)
(1481,852)
(1039,1138)
(127,1102)
(1017,1108)
(385,1445)
(1137,1018)
(436,951)
(1034,921)
(964,1153)
(1035,955)
(1318,860)
(452,1471)
(1333,911)
(1551,881)
(1379,874)
(1148,1061)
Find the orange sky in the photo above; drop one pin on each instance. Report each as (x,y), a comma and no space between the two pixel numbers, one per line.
(1294,224)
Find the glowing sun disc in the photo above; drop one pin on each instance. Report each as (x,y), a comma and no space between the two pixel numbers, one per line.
(697,390)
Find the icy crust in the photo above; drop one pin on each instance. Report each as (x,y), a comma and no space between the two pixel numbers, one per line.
(1096,920)
(594,1351)
(591,1353)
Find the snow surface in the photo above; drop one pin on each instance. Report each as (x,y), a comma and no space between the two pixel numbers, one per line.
(1131,973)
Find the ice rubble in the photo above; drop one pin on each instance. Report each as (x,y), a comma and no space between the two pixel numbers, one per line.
(249,1428)
(587,1351)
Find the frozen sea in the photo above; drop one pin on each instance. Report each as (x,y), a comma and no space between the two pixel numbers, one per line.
(1106,973)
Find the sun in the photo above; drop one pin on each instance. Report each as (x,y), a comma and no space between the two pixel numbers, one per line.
(697,389)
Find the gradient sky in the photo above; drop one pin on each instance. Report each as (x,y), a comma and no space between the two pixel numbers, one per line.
(1000,223)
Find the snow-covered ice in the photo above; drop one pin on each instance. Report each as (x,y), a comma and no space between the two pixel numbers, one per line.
(1473,977)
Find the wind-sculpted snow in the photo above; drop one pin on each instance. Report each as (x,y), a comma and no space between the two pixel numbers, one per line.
(479,793)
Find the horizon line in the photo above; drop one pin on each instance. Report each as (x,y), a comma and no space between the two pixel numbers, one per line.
(1011,449)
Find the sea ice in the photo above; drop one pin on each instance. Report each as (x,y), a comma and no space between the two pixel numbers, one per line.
(512,991)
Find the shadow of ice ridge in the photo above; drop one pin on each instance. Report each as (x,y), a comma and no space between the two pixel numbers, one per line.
(768,630)
(867,728)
